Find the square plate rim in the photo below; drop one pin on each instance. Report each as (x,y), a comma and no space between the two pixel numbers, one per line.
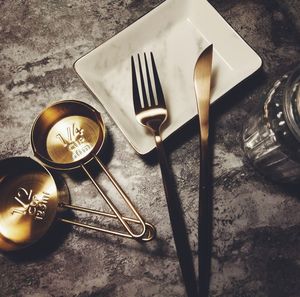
(139,150)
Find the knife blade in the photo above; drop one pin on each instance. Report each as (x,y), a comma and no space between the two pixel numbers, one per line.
(202,81)
(202,85)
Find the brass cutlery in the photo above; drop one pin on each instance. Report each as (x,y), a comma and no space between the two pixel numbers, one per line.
(202,80)
(202,84)
(151,112)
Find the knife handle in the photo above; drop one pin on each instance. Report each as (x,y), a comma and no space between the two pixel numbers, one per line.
(205,220)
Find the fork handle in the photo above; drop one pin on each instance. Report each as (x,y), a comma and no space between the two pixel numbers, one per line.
(177,222)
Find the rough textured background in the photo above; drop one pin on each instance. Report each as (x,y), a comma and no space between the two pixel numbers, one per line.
(256,242)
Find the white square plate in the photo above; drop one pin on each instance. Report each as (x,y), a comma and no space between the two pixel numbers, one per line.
(176,32)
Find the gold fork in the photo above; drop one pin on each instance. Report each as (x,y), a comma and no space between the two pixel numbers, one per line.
(152,114)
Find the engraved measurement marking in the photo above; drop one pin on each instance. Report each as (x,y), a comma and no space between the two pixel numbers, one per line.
(73,139)
(33,205)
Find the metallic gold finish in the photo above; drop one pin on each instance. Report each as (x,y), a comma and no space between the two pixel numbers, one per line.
(152,114)
(202,82)
(68,135)
(150,229)
(28,202)
(71,139)
(202,79)
(31,199)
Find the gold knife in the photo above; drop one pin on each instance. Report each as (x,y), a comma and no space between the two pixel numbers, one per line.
(202,83)
(202,78)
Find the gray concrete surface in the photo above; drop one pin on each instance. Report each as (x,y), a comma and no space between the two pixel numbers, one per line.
(256,242)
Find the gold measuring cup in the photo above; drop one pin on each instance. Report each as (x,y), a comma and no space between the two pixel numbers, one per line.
(31,200)
(28,202)
(68,135)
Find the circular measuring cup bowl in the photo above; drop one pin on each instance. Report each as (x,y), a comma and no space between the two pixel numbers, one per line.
(67,134)
(28,202)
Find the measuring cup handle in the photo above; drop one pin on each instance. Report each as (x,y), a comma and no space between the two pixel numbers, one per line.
(111,204)
(147,236)
(121,192)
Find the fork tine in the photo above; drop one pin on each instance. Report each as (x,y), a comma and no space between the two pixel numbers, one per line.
(135,89)
(143,84)
(152,102)
(159,92)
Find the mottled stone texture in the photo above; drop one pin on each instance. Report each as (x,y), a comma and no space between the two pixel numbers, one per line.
(256,242)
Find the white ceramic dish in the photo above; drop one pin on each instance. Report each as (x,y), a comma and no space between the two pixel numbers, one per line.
(176,32)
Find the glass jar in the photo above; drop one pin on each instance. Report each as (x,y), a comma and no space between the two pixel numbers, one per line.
(271,136)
